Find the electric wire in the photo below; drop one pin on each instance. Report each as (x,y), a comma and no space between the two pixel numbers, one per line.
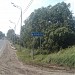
(28,5)
(31,1)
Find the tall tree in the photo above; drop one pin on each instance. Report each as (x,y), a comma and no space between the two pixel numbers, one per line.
(57,24)
(2,35)
(10,34)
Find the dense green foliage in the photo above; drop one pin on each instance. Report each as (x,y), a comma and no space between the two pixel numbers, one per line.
(57,24)
(12,36)
(65,57)
(2,35)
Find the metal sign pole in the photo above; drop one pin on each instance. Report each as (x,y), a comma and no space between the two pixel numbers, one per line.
(33,49)
(40,44)
(37,34)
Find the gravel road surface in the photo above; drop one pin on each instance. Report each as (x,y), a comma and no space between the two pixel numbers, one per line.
(10,65)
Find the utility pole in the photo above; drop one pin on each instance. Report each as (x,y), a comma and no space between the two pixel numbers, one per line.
(21,20)
(21,15)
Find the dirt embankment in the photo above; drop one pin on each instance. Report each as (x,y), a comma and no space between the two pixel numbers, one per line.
(10,65)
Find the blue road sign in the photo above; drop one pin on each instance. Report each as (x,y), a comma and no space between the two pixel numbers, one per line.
(37,34)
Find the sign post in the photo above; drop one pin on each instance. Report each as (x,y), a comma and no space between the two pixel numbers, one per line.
(37,34)
(33,49)
(40,45)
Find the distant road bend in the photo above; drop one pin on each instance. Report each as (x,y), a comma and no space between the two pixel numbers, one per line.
(10,65)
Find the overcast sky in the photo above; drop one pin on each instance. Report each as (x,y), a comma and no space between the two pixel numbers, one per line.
(8,12)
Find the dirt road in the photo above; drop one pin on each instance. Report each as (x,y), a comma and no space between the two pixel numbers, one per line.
(10,65)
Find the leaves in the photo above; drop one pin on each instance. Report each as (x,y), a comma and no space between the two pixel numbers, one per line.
(56,22)
(1,35)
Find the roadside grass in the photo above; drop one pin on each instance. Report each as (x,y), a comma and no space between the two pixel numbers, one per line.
(65,57)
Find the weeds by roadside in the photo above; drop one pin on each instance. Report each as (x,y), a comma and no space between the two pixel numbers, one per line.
(65,57)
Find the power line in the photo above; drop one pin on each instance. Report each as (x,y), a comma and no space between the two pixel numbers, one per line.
(28,6)
(26,9)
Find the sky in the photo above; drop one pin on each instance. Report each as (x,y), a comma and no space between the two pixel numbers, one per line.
(10,13)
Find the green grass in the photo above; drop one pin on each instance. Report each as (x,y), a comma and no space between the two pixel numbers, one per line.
(65,57)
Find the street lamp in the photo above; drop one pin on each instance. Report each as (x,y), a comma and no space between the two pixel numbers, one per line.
(21,20)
